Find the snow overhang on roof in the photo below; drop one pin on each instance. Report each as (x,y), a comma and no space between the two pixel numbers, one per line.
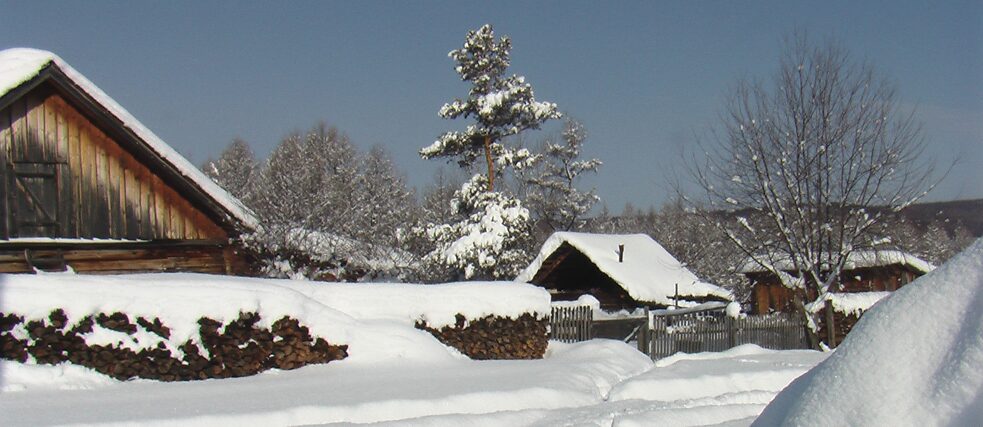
(647,271)
(856,259)
(21,66)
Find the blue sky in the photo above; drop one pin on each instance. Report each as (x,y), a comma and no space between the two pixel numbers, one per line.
(644,77)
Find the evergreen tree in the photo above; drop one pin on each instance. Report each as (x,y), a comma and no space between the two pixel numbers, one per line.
(500,105)
(491,240)
(489,236)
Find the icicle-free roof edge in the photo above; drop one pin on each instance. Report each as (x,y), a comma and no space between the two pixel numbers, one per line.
(648,273)
(20,65)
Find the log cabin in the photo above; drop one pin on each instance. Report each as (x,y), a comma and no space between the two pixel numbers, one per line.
(623,271)
(864,272)
(87,187)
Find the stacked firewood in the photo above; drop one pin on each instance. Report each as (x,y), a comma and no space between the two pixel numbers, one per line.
(237,349)
(495,337)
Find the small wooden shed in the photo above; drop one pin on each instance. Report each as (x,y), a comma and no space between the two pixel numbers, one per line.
(620,270)
(864,271)
(84,185)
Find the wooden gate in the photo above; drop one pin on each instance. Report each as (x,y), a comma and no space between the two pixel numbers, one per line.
(571,324)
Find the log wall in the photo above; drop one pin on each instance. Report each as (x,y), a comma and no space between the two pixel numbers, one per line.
(198,256)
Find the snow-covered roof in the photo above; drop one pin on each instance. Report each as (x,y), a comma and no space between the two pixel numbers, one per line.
(648,272)
(856,259)
(855,303)
(21,65)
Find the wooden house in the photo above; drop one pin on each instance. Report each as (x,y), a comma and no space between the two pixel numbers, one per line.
(864,271)
(86,186)
(620,270)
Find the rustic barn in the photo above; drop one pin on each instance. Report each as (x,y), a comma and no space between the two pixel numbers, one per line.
(86,186)
(620,270)
(864,271)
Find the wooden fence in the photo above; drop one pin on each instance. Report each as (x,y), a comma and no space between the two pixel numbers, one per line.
(571,324)
(700,331)
(686,330)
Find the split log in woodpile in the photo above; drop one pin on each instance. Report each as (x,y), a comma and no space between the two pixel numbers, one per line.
(237,349)
(495,337)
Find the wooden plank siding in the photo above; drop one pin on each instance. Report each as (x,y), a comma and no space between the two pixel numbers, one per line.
(103,191)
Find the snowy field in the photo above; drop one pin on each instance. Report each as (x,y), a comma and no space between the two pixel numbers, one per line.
(599,382)
(394,374)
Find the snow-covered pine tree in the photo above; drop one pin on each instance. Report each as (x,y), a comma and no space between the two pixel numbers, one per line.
(500,105)
(552,195)
(234,170)
(491,240)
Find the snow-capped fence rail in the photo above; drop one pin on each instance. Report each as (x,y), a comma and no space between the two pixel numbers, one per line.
(713,330)
(571,324)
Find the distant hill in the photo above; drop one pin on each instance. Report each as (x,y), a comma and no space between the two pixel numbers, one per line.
(969,213)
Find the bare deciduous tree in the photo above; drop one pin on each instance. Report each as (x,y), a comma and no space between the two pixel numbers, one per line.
(235,169)
(810,163)
(553,196)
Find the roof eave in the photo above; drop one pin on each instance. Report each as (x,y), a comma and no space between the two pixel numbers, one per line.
(126,136)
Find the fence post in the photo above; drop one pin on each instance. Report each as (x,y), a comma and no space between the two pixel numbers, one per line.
(731,324)
(830,324)
(590,323)
(643,335)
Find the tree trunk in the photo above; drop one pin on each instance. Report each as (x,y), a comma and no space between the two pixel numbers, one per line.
(830,325)
(811,335)
(491,165)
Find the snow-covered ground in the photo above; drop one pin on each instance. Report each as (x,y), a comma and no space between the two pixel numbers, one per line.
(599,382)
(913,359)
(916,358)
(395,374)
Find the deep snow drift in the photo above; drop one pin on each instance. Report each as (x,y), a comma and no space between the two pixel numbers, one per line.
(914,359)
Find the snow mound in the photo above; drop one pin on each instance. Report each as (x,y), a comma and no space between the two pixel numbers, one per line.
(914,359)
(375,320)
